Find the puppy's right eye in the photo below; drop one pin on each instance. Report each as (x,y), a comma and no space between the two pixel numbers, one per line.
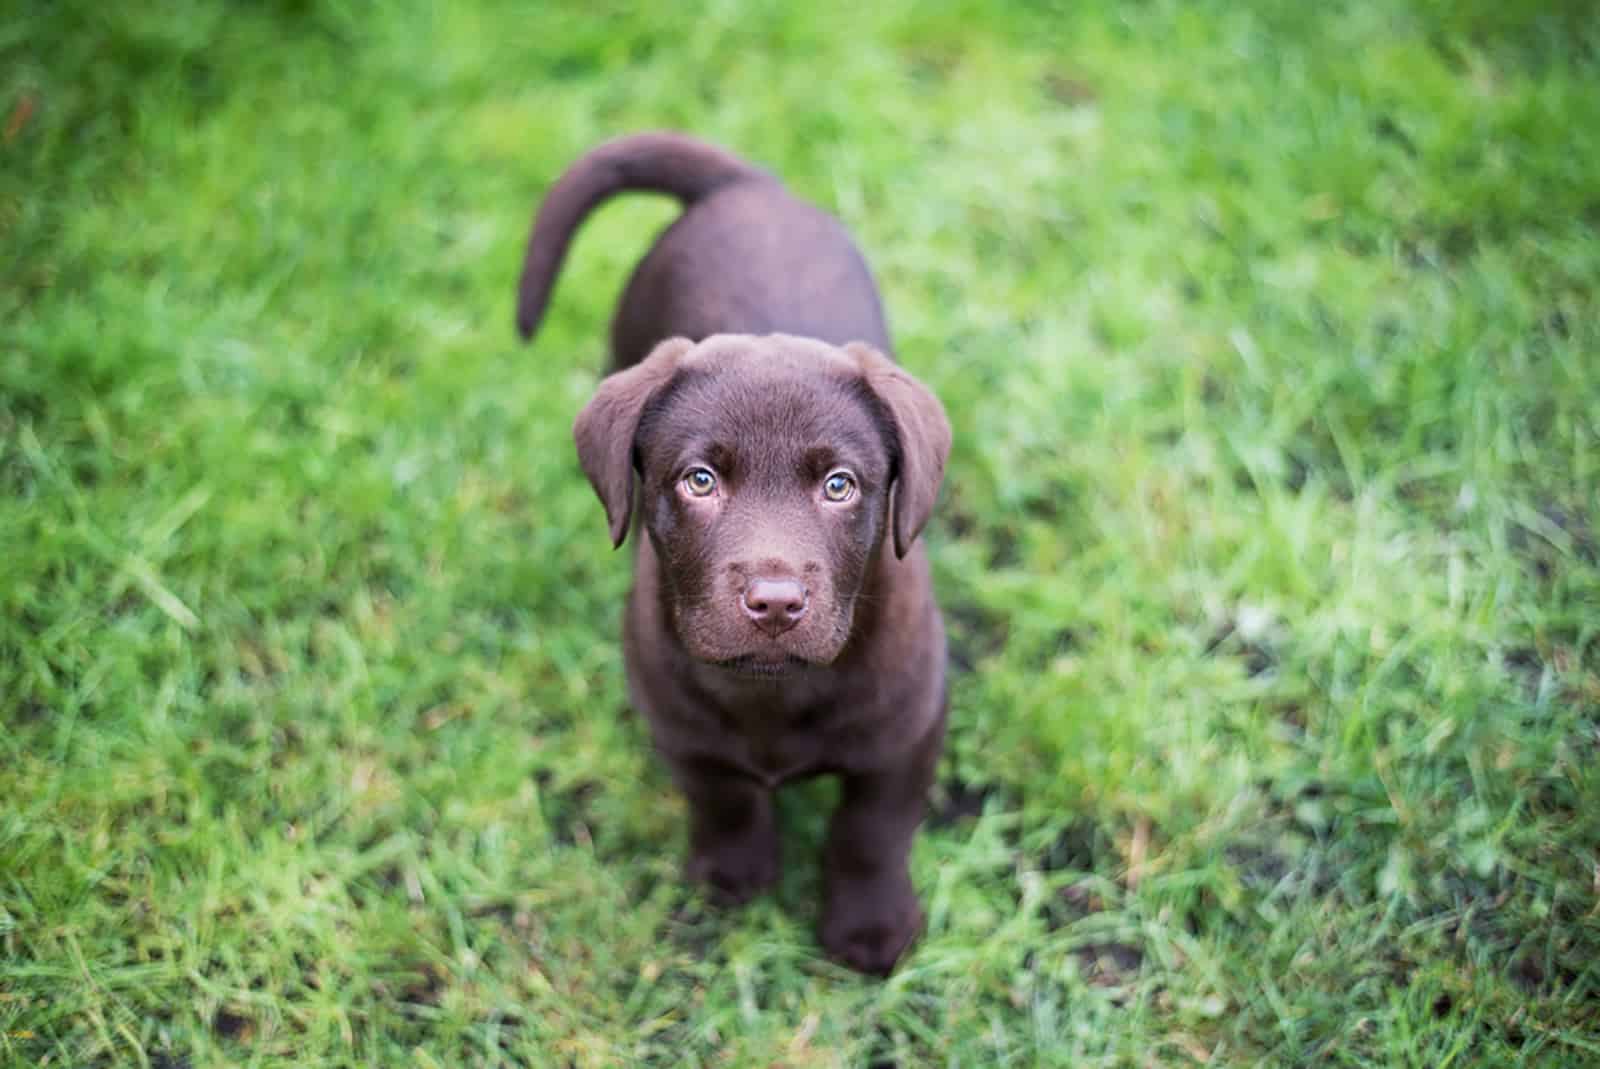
(839,487)
(699,482)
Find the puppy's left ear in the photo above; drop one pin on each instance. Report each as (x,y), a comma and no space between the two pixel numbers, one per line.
(604,431)
(922,433)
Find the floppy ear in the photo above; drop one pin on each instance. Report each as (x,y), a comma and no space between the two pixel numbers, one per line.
(605,429)
(923,435)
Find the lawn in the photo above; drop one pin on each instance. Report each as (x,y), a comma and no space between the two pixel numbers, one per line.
(1270,544)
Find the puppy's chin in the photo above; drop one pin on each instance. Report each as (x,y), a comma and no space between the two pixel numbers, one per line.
(774,665)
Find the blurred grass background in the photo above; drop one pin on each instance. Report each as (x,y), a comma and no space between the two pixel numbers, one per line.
(1269,546)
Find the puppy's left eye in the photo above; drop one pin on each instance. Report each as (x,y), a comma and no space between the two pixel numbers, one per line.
(699,482)
(839,487)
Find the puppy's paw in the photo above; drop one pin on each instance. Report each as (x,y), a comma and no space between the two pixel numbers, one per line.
(869,929)
(734,874)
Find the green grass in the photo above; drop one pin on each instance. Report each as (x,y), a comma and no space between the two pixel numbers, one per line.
(1270,334)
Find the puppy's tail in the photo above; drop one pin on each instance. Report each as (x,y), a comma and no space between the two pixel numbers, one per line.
(660,162)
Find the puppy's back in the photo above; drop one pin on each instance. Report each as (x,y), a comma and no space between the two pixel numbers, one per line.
(745,257)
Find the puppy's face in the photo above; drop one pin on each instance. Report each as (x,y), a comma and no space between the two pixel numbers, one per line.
(765,487)
(769,472)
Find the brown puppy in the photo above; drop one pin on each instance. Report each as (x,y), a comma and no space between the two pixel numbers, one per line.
(782,623)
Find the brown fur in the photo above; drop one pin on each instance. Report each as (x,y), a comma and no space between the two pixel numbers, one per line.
(774,631)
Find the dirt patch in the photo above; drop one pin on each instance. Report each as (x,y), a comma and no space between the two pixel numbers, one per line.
(233,1025)
(1068,91)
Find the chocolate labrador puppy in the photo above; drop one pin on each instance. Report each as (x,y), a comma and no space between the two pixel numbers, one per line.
(782,623)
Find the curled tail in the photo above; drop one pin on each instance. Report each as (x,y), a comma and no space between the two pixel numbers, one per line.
(659,162)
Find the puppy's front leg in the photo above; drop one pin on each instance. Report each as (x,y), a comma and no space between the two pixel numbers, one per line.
(870,912)
(733,834)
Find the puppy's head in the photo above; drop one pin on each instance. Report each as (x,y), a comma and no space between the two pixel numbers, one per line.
(770,470)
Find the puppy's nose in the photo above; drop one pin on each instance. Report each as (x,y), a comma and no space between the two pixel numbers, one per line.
(774,605)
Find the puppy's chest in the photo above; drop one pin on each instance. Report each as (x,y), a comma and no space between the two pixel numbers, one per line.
(776,745)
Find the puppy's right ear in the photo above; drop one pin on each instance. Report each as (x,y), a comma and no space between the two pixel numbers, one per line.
(604,431)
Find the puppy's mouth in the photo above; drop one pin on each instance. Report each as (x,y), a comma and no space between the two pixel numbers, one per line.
(764,666)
